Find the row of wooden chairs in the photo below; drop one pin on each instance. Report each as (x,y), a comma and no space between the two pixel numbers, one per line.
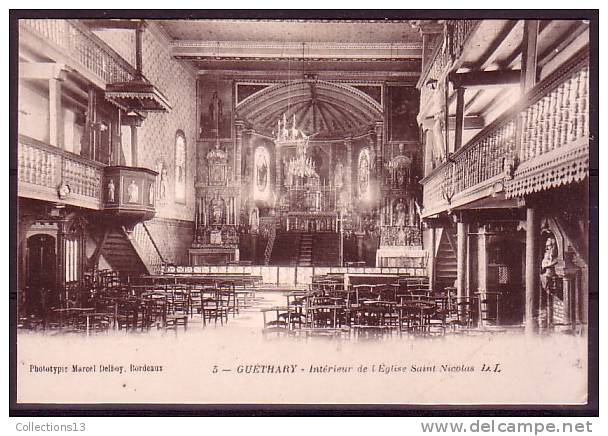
(381,309)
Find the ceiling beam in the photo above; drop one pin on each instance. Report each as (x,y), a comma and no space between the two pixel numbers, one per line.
(480,79)
(406,78)
(191,50)
(101,24)
(485,59)
(573,32)
(42,70)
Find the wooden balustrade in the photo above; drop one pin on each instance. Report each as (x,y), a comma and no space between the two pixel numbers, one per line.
(74,39)
(444,58)
(552,116)
(43,169)
(147,249)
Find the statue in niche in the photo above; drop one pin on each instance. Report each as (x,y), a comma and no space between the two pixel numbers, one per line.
(111,189)
(161,179)
(217,211)
(549,262)
(401,177)
(400,213)
(133,192)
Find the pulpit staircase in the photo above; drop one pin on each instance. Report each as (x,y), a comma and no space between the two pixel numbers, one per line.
(445,260)
(130,253)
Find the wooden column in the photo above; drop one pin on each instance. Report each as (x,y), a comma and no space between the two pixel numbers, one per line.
(532,267)
(431,258)
(459,118)
(482,260)
(462,231)
(134,158)
(55,113)
(529,54)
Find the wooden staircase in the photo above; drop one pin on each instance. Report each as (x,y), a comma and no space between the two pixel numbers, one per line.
(445,261)
(305,251)
(117,250)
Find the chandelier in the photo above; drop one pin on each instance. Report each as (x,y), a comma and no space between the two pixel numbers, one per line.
(300,165)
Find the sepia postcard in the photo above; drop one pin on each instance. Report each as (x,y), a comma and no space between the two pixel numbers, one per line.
(387,210)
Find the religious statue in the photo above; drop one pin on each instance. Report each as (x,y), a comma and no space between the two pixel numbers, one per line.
(217,211)
(401,177)
(547,267)
(111,191)
(133,192)
(400,214)
(163,183)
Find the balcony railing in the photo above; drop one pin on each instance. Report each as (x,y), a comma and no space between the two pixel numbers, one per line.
(83,46)
(49,173)
(444,57)
(549,127)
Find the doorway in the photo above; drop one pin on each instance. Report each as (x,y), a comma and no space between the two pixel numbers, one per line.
(40,282)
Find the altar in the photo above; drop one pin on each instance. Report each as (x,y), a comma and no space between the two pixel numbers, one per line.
(212,255)
(214,245)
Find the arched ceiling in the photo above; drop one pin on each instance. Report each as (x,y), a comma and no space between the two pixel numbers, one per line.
(327,110)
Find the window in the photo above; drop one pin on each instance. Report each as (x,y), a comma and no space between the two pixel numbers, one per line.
(71,259)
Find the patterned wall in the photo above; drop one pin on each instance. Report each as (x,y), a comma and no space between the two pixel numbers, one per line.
(156,139)
(173,238)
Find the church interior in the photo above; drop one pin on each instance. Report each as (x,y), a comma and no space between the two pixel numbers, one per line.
(369,176)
